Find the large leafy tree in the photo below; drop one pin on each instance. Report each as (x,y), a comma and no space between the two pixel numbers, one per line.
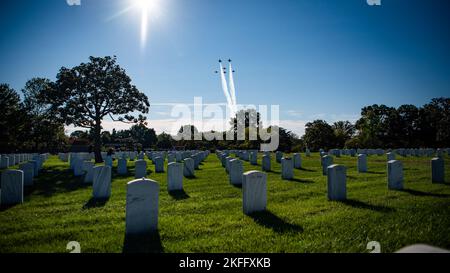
(246,118)
(286,138)
(165,141)
(11,118)
(373,126)
(319,135)
(409,118)
(434,122)
(250,121)
(90,92)
(343,131)
(44,133)
(143,135)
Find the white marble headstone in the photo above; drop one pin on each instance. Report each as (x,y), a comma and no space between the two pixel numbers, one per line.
(174,176)
(266,163)
(362,163)
(189,169)
(102,182)
(254,158)
(88,168)
(122,166)
(287,169)
(142,206)
(28,173)
(395,175)
(308,153)
(109,161)
(227,163)
(337,182)
(278,156)
(140,170)
(77,167)
(35,166)
(159,165)
(236,171)
(12,187)
(390,156)
(254,191)
(171,158)
(4,163)
(297,161)
(437,170)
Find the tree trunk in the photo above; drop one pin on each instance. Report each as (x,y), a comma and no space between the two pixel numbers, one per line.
(98,142)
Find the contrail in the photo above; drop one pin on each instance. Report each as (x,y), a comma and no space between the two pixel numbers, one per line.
(232,88)
(225,89)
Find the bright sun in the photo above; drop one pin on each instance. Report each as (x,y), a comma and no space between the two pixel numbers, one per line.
(148,5)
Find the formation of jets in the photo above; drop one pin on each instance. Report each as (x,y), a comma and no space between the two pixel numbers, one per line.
(225,69)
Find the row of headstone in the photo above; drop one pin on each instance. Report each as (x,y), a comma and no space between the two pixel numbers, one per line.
(337,179)
(10,160)
(177,156)
(234,167)
(81,164)
(423,152)
(254,183)
(402,151)
(395,169)
(13,182)
(101,176)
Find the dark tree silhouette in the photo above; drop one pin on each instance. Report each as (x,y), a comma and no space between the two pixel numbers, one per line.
(86,94)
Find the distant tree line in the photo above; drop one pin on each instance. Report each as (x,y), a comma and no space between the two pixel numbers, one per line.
(381,126)
(25,125)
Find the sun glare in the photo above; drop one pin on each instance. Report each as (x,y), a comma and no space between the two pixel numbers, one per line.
(149,10)
(147,5)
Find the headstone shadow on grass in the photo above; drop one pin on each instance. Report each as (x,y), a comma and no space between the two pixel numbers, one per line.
(422,193)
(143,243)
(307,170)
(269,220)
(363,205)
(179,195)
(375,172)
(306,181)
(56,182)
(95,203)
(6,207)
(239,186)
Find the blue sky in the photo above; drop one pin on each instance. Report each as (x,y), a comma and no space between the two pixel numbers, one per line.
(315,58)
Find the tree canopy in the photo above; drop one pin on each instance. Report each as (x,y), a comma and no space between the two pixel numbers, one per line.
(88,93)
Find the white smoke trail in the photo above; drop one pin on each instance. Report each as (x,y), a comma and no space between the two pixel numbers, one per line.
(225,90)
(232,88)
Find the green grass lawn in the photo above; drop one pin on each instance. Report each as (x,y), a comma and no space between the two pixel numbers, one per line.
(208,216)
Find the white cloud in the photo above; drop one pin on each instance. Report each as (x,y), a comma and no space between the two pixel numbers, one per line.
(294,113)
(73,2)
(350,117)
(295,126)
(163,114)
